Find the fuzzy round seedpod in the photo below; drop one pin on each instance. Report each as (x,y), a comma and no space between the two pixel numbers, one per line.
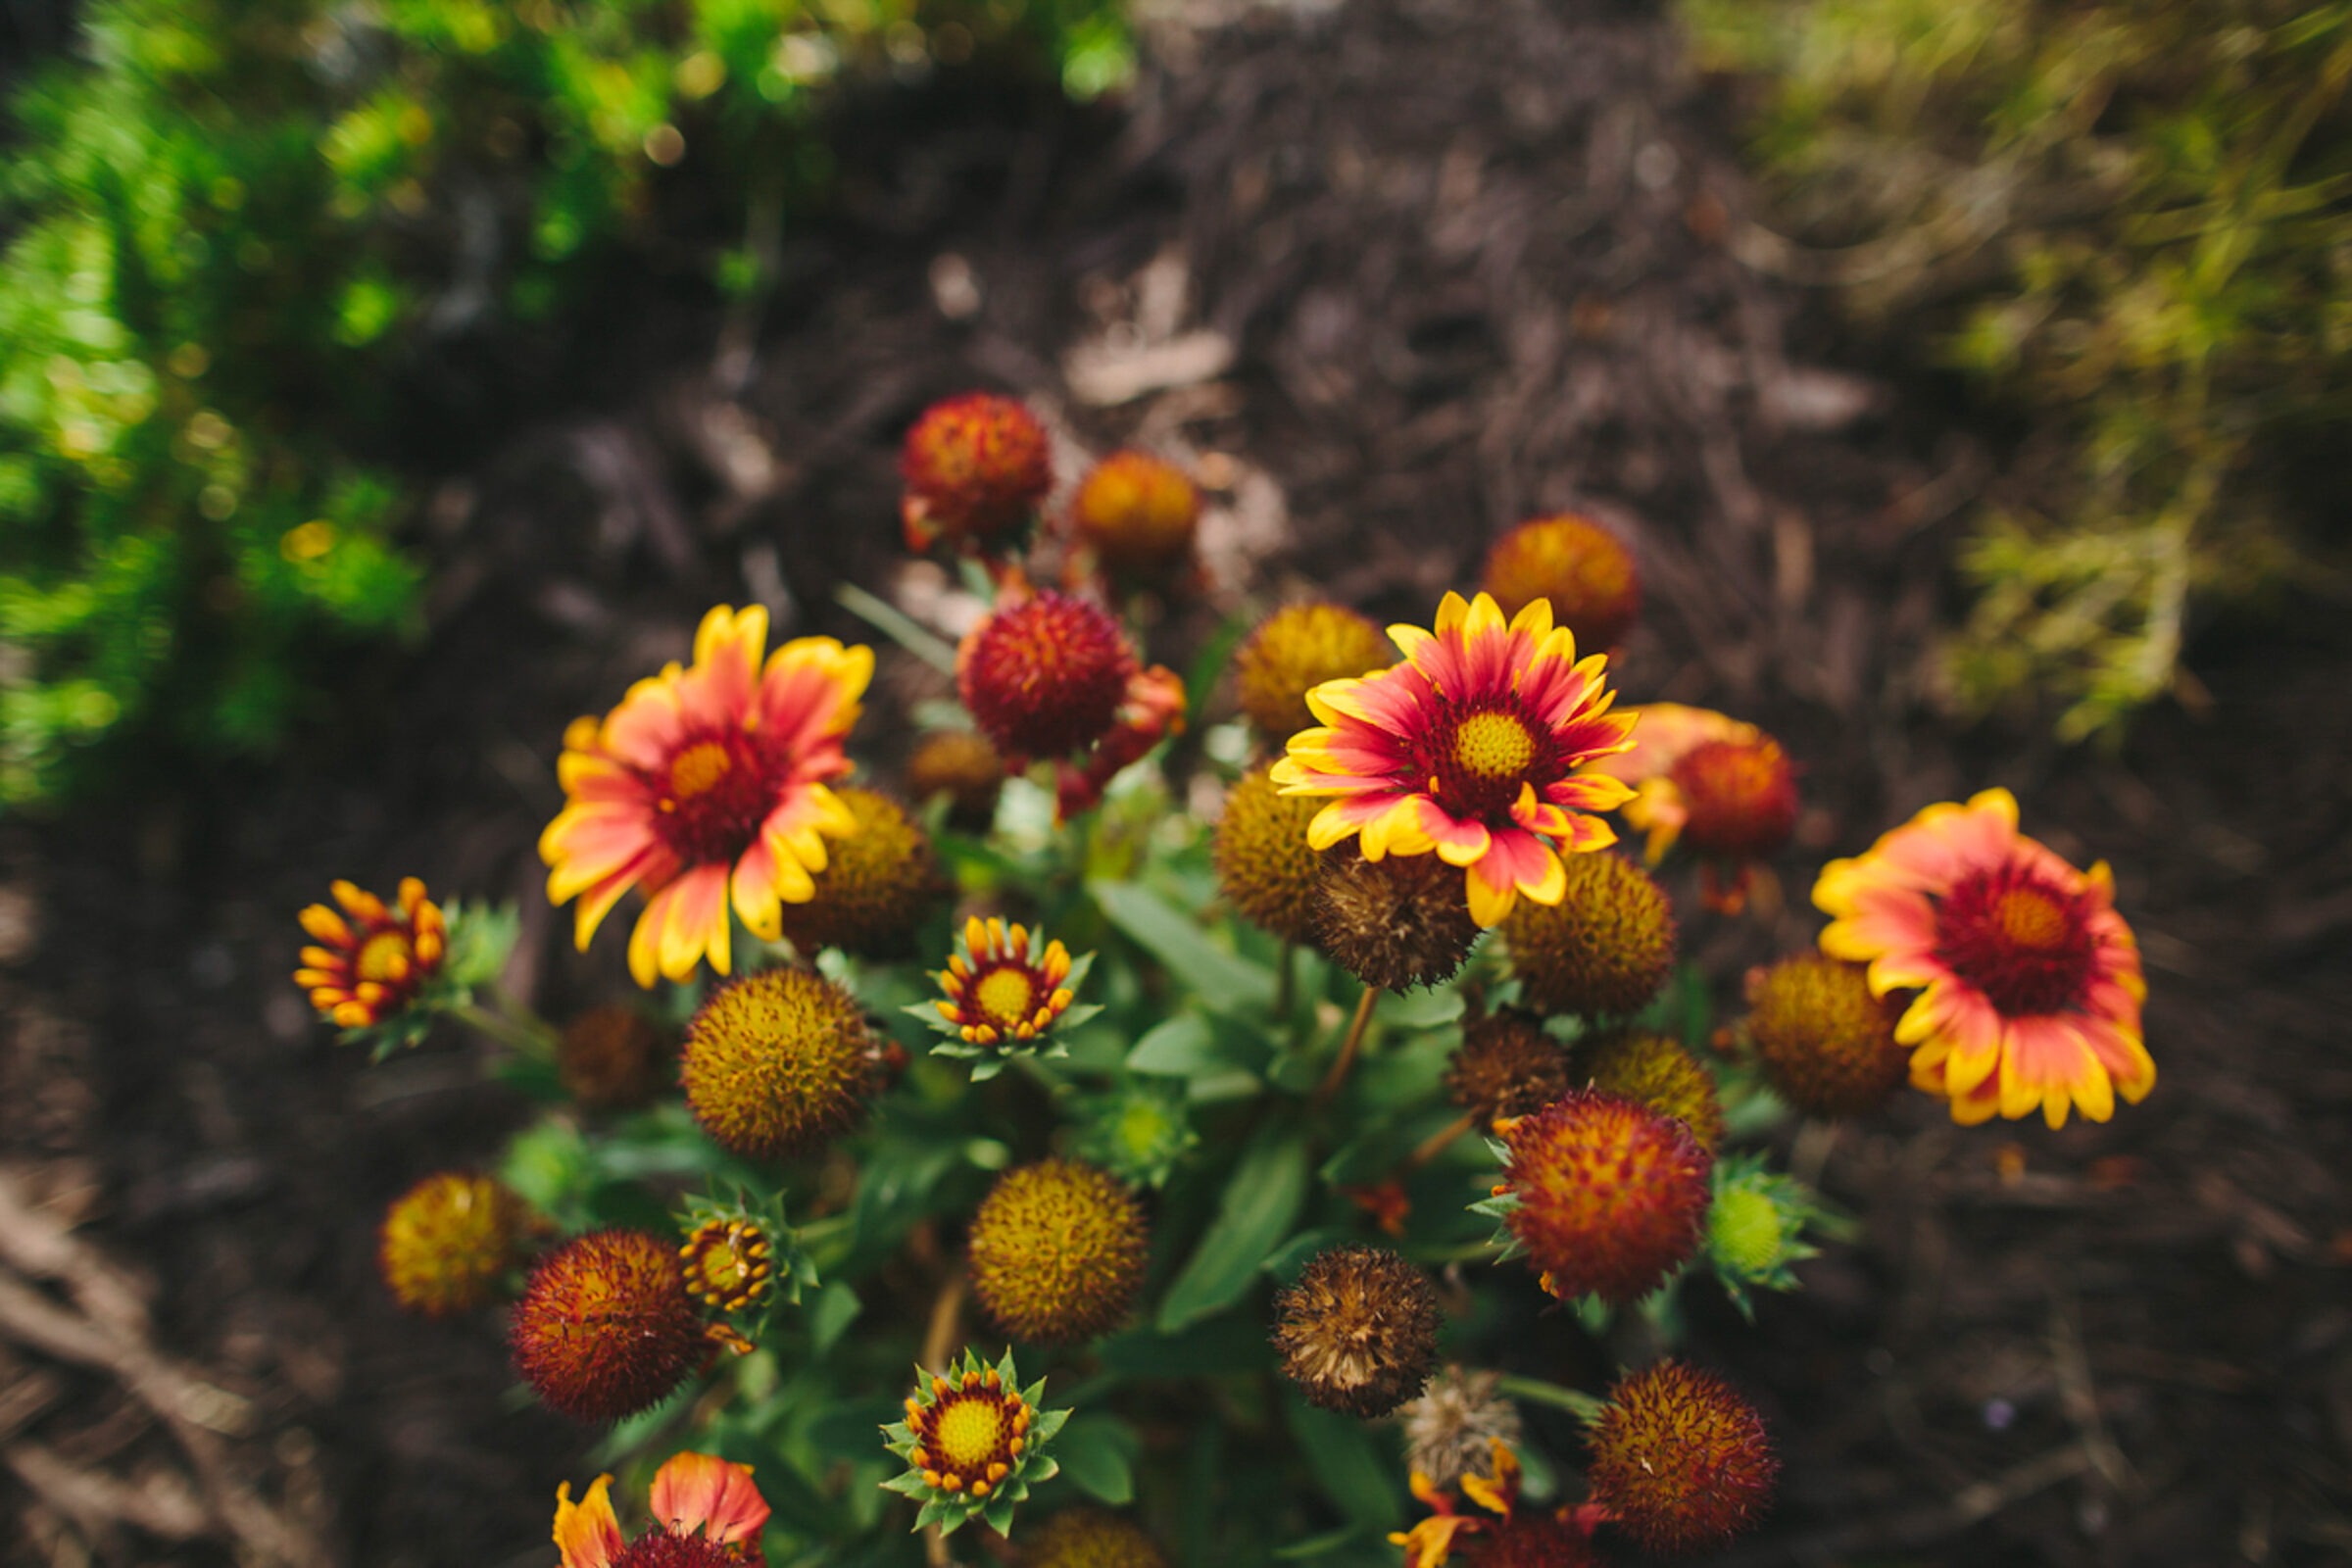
(1609,1194)
(1358,1333)
(1293,651)
(1058,1251)
(1138,512)
(1507,1065)
(1827,1045)
(605,1327)
(1606,948)
(1090,1538)
(1265,867)
(1396,922)
(1528,1539)
(1741,797)
(1583,569)
(1451,1429)
(1681,1460)
(613,1058)
(776,1063)
(446,1242)
(1045,675)
(877,885)
(1745,1231)
(975,467)
(1657,1072)
(965,768)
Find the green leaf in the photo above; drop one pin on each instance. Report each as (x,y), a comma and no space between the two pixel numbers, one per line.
(1360,1481)
(1182,1047)
(830,1315)
(1099,1454)
(1221,979)
(1262,1202)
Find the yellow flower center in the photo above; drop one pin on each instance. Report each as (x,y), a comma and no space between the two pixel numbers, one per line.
(386,957)
(2031,919)
(1007,997)
(968,1431)
(699,768)
(1493,745)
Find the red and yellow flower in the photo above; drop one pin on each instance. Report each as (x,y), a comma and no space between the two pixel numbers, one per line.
(2028,982)
(707,788)
(1006,986)
(370,962)
(708,1513)
(1471,747)
(1504,1535)
(1705,779)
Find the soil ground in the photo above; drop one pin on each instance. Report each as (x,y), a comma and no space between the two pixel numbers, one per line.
(1393,274)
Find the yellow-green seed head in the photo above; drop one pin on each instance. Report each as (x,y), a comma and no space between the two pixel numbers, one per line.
(1655,1071)
(776,1063)
(1088,1537)
(448,1242)
(1058,1251)
(1823,1041)
(1745,1231)
(1293,651)
(877,885)
(1604,949)
(1265,867)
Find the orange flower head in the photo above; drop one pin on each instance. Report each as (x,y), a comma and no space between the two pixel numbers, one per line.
(1008,987)
(976,468)
(1609,1195)
(1358,1333)
(448,1242)
(1265,867)
(1058,1252)
(730,1262)
(1603,949)
(369,961)
(876,887)
(1703,777)
(973,1440)
(705,790)
(1652,1070)
(1825,1042)
(1044,674)
(1394,924)
(613,1058)
(2028,983)
(1584,569)
(605,1327)
(1139,513)
(965,768)
(1507,1066)
(778,1062)
(1681,1460)
(1090,1538)
(708,1513)
(1469,750)
(1295,650)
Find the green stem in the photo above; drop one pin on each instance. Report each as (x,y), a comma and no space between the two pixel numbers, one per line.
(1348,1048)
(511,1025)
(1583,1406)
(894,624)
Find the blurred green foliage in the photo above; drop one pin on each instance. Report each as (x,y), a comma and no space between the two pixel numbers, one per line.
(2127,216)
(225,219)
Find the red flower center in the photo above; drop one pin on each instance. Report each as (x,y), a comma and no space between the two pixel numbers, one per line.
(659,1549)
(2023,942)
(1476,760)
(718,794)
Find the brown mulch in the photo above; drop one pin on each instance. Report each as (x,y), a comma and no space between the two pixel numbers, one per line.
(1392,274)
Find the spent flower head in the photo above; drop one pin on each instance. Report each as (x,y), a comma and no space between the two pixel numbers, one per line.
(1295,650)
(778,1062)
(1358,1333)
(1451,1429)
(975,468)
(1006,991)
(974,1442)
(1582,568)
(1395,924)
(1507,1066)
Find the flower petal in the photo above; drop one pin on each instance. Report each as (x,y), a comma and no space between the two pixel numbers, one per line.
(586,1534)
(700,1491)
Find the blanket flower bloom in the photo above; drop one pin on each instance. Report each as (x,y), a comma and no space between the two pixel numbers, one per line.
(1470,748)
(2028,982)
(372,961)
(1715,783)
(707,787)
(708,1513)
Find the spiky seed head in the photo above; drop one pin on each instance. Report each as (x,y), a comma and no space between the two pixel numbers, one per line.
(1507,1065)
(964,768)
(1058,1251)
(878,884)
(1610,1195)
(613,1058)
(1740,796)
(1140,513)
(1605,949)
(1358,1333)
(448,1242)
(1827,1045)
(1090,1538)
(976,468)
(1396,922)
(1293,651)
(777,1062)
(1583,569)
(1265,867)
(1045,676)
(1531,1539)
(1681,1460)
(1451,1429)
(605,1327)
(1652,1070)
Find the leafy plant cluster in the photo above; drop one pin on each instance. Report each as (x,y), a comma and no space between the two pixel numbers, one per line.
(2126,216)
(229,220)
